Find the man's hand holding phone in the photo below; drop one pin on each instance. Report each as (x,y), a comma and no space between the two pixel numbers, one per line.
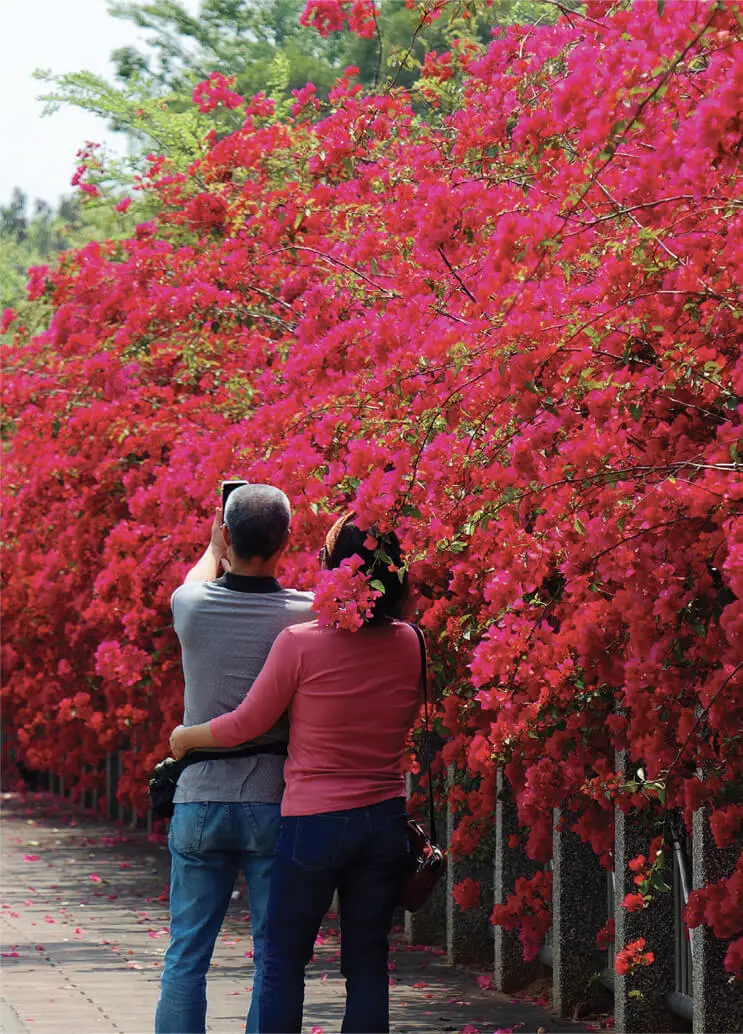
(217,533)
(217,544)
(215,560)
(228,487)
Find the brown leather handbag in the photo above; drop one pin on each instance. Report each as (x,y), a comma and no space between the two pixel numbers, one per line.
(426,861)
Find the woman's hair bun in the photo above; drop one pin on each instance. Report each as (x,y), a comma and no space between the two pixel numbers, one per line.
(382,564)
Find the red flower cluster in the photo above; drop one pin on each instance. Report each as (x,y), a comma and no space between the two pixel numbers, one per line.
(633,957)
(216,90)
(720,906)
(634,902)
(344,596)
(334,15)
(726,824)
(528,910)
(606,935)
(467,893)
(89,162)
(734,958)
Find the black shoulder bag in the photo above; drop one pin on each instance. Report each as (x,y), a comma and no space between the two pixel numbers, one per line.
(427,862)
(164,779)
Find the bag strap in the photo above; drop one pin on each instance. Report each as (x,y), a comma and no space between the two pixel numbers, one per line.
(426,752)
(249,750)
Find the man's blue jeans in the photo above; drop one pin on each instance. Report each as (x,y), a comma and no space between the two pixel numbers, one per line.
(209,844)
(362,853)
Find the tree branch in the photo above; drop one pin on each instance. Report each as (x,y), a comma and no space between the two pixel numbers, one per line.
(456,275)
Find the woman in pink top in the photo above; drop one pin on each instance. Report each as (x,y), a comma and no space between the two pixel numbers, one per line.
(352,698)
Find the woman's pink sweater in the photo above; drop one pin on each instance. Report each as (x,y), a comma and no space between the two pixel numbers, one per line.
(352,698)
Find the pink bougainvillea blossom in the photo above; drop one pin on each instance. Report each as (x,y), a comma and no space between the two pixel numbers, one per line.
(344,596)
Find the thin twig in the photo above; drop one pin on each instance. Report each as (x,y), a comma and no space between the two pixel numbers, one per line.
(700,718)
(456,275)
(336,262)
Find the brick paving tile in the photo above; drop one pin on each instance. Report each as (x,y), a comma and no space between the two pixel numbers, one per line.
(83,904)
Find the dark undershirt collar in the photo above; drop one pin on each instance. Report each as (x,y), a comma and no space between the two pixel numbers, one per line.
(248,582)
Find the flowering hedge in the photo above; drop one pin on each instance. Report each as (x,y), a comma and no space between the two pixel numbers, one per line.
(511,332)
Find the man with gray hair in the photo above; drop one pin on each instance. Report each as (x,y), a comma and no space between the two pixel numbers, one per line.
(227,810)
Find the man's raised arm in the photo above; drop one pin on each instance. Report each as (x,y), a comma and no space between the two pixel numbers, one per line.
(209,566)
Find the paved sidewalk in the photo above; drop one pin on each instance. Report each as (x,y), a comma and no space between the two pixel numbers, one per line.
(84,928)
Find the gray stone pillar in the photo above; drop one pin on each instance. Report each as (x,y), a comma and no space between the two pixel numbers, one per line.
(718,1001)
(87,797)
(120,811)
(640,998)
(469,934)
(428,926)
(112,777)
(95,791)
(579,910)
(510,971)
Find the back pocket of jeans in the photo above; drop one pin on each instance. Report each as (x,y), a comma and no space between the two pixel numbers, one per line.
(390,840)
(187,827)
(319,841)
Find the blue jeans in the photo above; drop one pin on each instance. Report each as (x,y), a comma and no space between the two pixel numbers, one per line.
(209,844)
(362,853)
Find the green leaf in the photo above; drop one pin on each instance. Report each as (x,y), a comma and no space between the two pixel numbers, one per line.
(660,789)
(376,584)
(661,7)
(658,883)
(579,526)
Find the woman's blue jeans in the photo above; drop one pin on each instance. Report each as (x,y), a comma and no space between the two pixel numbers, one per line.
(362,853)
(209,844)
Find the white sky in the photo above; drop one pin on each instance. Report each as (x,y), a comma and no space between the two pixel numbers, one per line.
(38,153)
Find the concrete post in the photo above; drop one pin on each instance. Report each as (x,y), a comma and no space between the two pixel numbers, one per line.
(428,926)
(640,998)
(510,971)
(469,936)
(718,1000)
(120,813)
(579,912)
(111,779)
